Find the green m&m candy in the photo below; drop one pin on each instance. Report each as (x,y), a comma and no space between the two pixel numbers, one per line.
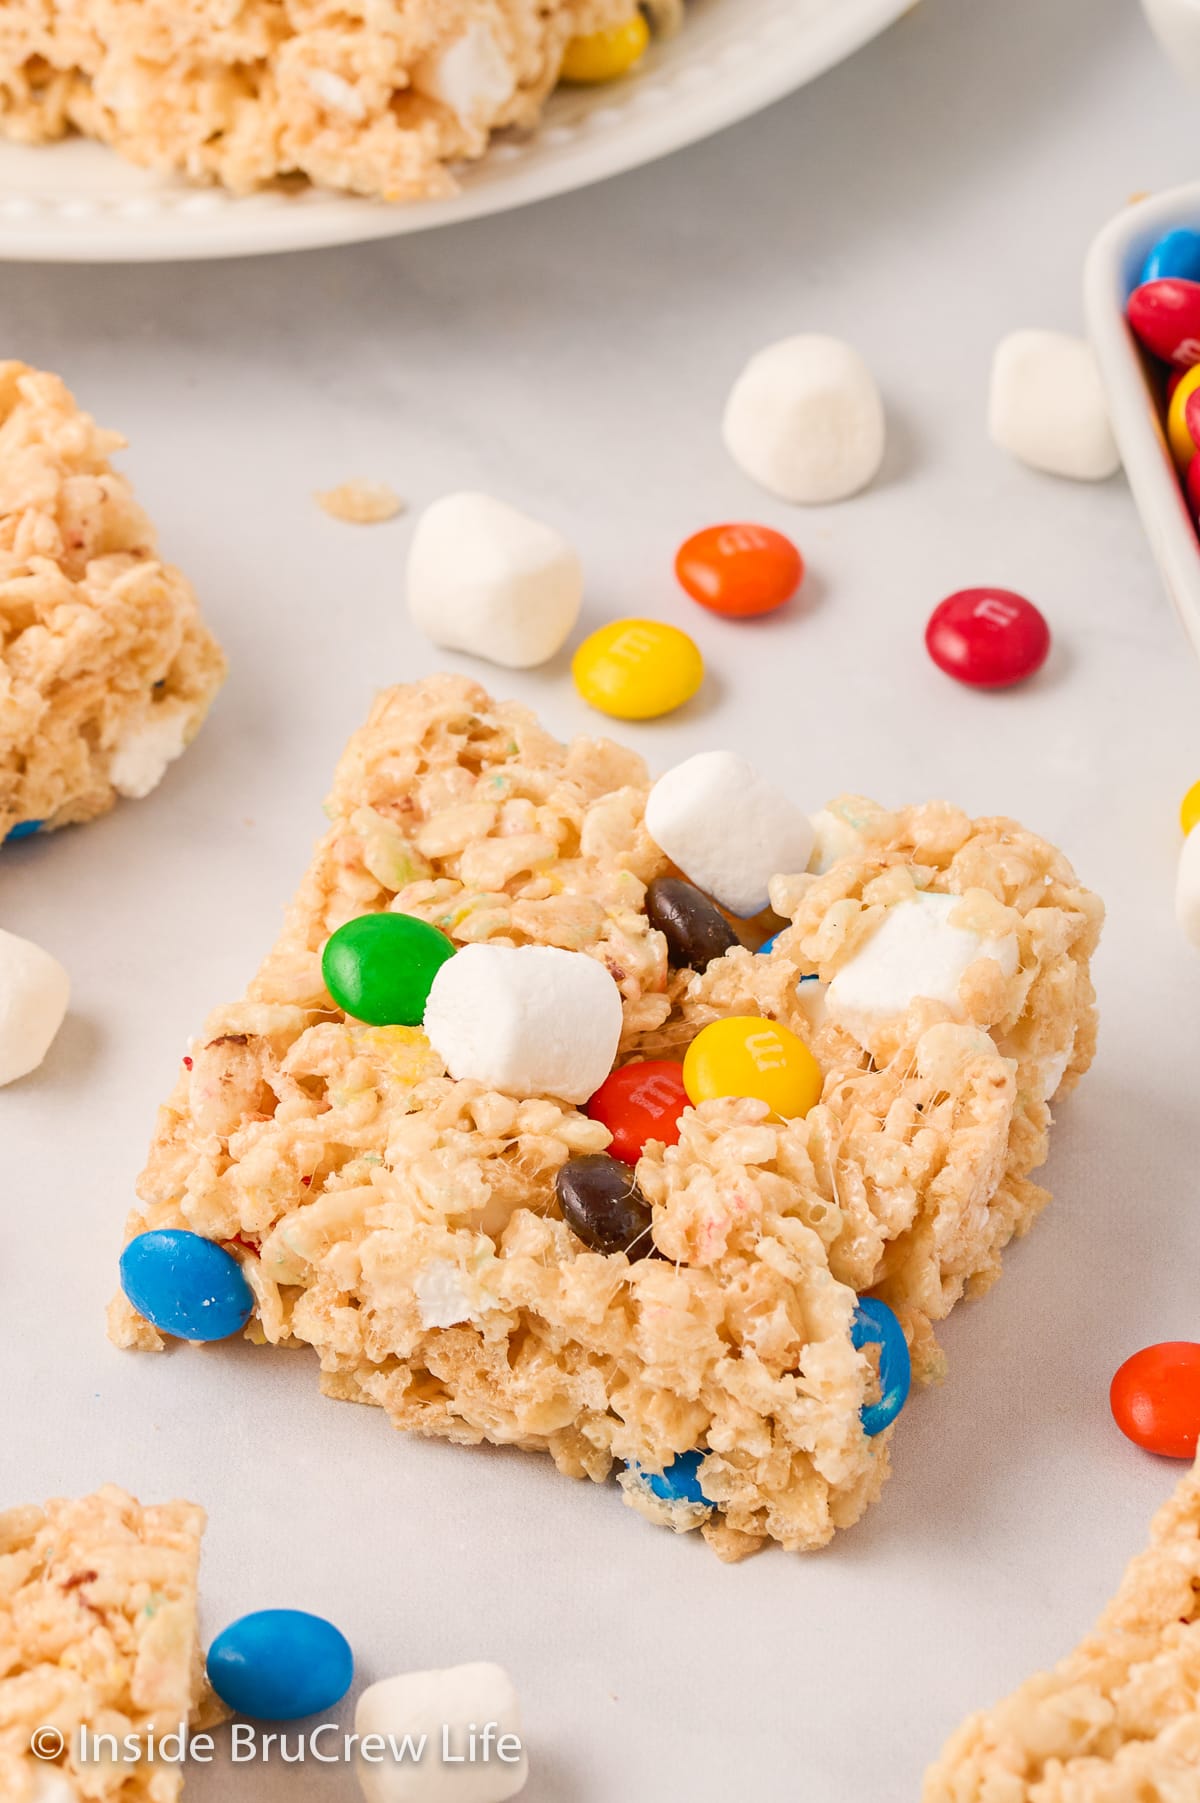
(379,968)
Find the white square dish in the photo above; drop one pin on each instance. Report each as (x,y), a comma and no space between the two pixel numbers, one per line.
(1113,266)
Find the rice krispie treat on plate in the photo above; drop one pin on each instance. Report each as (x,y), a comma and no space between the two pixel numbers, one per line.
(1118,1721)
(106,667)
(98,1628)
(424,1224)
(378,100)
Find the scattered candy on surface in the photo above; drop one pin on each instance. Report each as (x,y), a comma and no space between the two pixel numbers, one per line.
(1047,406)
(746,1055)
(913,952)
(739,571)
(1155,1398)
(728,829)
(485,579)
(988,638)
(475,1707)
(805,420)
(1187,888)
(875,1324)
(280,1664)
(530,1020)
(1165,315)
(1189,809)
(637,669)
(695,930)
(185,1285)
(599,1199)
(640,1102)
(1177,254)
(25,829)
(380,967)
(34,992)
(1179,432)
(680,1482)
(600,56)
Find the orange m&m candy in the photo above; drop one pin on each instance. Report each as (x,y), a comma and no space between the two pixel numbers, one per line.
(1155,1398)
(640,1102)
(739,571)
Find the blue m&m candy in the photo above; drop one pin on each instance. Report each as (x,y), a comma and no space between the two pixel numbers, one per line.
(186,1285)
(25,829)
(279,1664)
(875,1325)
(680,1482)
(1177,254)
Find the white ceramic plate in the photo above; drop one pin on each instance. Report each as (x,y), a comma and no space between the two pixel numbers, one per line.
(1113,266)
(77,202)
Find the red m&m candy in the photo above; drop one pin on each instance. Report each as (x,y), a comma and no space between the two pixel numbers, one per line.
(739,571)
(640,1102)
(1155,1398)
(988,638)
(1166,317)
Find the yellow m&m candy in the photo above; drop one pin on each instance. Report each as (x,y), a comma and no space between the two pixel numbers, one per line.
(637,669)
(1183,445)
(1189,809)
(747,1056)
(606,55)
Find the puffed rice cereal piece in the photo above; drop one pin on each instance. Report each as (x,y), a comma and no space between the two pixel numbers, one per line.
(405,1226)
(1118,1721)
(98,1628)
(377,100)
(106,667)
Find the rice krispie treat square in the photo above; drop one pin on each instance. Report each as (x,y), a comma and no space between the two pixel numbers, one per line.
(405,1224)
(1118,1721)
(380,100)
(106,667)
(98,1629)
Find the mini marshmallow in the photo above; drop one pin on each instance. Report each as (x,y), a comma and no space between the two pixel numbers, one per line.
(805,419)
(1187,888)
(446,1714)
(1047,406)
(727,829)
(472,77)
(486,579)
(1053,1070)
(527,1020)
(441,1299)
(834,839)
(914,952)
(140,761)
(34,991)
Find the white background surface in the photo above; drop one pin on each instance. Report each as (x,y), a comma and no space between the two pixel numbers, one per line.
(934,193)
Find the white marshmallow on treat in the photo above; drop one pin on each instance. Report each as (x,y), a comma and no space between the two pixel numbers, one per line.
(1187,888)
(486,579)
(472,76)
(527,1020)
(914,953)
(444,1707)
(441,1299)
(728,829)
(34,991)
(805,419)
(140,760)
(1047,406)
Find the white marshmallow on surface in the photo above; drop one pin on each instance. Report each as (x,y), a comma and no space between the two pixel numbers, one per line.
(528,1020)
(728,829)
(486,579)
(1047,406)
(472,76)
(914,952)
(1187,888)
(805,419)
(34,991)
(441,1706)
(140,760)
